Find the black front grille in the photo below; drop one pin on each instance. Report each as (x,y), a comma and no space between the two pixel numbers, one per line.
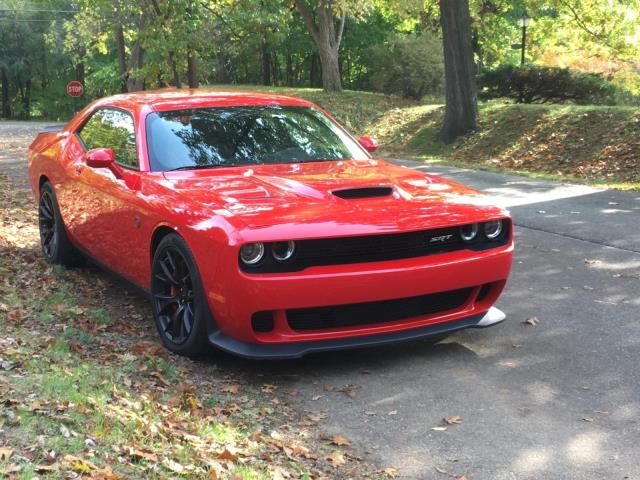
(374,248)
(341,316)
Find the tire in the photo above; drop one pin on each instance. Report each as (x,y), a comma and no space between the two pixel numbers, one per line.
(55,245)
(180,309)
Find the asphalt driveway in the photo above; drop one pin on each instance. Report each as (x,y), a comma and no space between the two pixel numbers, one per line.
(555,398)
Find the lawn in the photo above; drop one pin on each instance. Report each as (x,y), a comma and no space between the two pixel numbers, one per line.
(87,391)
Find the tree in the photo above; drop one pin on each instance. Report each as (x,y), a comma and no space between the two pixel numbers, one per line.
(461,111)
(326,29)
(325,24)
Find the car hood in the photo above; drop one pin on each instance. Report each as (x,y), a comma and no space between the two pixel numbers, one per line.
(359,196)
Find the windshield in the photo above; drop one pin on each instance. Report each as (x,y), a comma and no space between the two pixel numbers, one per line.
(233,136)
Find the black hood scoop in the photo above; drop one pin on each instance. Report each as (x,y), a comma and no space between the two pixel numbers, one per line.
(365,192)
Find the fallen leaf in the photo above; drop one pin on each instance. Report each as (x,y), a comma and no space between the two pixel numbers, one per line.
(140,454)
(339,441)
(392,413)
(233,389)
(531,321)
(452,420)
(336,458)
(175,467)
(5,453)
(46,468)
(79,465)
(227,454)
(390,472)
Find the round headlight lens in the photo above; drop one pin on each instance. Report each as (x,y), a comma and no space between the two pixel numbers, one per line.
(252,253)
(283,251)
(492,230)
(469,232)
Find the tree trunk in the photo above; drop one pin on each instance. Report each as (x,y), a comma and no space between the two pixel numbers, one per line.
(266,63)
(275,68)
(6,106)
(331,81)
(192,68)
(327,35)
(174,70)
(135,83)
(80,72)
(315,72)
(122,59)
(289,69)
(461,113)
(25,96)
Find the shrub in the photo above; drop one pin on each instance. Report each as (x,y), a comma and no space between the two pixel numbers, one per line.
(411,66)
(550,85)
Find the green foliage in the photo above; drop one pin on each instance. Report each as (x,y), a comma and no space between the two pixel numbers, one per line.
(44,45)
(411,66)
(550,85)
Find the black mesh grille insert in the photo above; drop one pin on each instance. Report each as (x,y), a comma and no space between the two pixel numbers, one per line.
(352,193)
(376,312)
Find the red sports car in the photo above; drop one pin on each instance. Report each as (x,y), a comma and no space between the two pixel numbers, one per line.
(258,225)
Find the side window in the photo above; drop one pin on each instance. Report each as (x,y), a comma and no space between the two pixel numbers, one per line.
(110,128)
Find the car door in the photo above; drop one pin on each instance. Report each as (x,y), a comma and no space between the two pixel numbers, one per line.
(106,217)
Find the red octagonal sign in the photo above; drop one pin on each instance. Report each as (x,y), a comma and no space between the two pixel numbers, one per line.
(75,88)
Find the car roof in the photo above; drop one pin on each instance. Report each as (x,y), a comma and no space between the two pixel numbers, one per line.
(176,99)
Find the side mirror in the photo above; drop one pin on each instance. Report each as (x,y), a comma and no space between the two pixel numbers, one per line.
(369,144)
(100,158)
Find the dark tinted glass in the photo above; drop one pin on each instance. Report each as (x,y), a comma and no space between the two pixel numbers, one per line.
(218,137)
(109,128)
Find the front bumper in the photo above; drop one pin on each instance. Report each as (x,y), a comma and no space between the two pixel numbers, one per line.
(235,297)
(299,349)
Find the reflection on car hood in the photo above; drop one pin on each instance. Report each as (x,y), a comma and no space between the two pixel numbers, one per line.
(370,193)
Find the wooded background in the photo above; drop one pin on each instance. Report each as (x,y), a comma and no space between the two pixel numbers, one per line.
(391,46)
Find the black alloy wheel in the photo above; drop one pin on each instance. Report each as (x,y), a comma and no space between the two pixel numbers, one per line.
(56,246)
(179,309)
(47,222)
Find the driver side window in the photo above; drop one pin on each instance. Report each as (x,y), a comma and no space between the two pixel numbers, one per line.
(114,129)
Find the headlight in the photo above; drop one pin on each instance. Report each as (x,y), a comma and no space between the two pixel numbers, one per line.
(283,251)
(469,232)
(252,253)
(492,230)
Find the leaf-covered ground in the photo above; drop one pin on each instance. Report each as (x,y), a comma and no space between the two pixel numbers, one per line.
(592,144)
(87,391)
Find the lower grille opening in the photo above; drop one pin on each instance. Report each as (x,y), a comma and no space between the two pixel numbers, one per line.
(484,292)
(340,316)
(262,321)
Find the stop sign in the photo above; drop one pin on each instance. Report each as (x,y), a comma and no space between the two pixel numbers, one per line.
(75,88)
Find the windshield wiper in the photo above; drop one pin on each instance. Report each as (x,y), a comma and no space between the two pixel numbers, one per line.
(194,167)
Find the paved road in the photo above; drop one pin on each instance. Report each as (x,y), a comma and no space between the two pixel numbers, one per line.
(558,400)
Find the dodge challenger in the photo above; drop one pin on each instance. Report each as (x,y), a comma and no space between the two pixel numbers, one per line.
(260,226)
